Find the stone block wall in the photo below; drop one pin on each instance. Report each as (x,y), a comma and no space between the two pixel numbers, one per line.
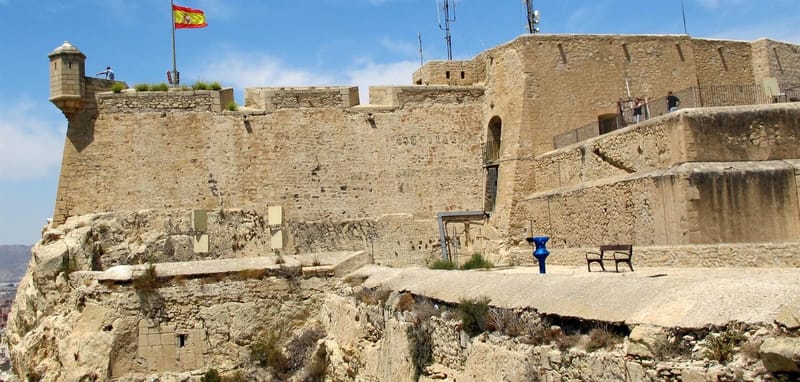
(170,348)
(271,99)
(744,133)
(694,203)
(720,62)
(399,96)
(151,101)
(453,73)
(782,62)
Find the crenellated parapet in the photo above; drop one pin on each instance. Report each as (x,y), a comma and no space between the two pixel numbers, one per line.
(173,99)
(454,73)
(398,96)
(271,99)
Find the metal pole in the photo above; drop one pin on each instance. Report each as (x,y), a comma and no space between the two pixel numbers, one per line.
(174,60)
(419,37)
(683,12)
(529,5)
(447,37)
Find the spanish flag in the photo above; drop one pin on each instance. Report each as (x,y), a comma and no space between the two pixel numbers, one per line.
(188,17)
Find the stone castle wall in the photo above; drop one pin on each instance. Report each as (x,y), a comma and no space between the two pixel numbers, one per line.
(151,101)
(390,166)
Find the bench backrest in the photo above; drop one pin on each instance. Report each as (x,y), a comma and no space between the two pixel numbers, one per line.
(617,247)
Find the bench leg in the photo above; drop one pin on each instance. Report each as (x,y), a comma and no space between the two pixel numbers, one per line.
(589,265)
(616,264)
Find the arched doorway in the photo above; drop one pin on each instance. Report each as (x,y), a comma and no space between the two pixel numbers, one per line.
(491,157)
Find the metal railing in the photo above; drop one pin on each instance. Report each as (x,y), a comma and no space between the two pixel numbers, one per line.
(702,96)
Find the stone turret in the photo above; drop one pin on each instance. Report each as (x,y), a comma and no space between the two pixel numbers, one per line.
(67,72)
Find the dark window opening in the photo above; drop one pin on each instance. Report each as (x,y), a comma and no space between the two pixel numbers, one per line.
(183,340)
(492,173)
(447,74)
(462,75)
(607,122)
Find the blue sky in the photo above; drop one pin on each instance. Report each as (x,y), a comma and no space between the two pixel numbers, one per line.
(285,43)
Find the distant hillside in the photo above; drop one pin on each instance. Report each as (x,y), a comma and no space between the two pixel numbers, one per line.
(13,262)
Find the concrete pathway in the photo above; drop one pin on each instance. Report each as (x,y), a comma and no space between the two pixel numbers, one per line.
(670,297)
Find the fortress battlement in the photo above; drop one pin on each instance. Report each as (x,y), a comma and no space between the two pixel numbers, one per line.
(275,98)
(187,100)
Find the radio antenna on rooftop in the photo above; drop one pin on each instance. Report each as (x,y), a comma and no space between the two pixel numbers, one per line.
(447,20)
(533,17)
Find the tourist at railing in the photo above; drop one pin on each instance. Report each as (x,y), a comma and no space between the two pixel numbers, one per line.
(672,102)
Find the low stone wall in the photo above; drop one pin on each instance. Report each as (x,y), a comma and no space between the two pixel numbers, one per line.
(731,255)
(271,99)
(132,101)
(694,203)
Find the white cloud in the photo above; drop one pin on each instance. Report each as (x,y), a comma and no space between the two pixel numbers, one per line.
(401,47)
(367,72)
(242,70)
(30,146)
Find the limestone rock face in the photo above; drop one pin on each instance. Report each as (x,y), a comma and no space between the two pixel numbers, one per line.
(789,315)
(781,355)
(71,323)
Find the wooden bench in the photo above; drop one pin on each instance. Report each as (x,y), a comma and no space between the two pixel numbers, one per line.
(620,253)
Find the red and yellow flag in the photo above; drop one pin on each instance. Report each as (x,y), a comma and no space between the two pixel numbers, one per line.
(188,17)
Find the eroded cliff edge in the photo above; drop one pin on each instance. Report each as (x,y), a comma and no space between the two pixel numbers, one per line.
(123,297)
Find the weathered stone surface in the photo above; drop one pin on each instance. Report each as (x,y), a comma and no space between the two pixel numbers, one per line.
(781,354)
(789,315)
(642,340)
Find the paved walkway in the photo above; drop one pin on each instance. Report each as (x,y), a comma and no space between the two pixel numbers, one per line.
(670,297)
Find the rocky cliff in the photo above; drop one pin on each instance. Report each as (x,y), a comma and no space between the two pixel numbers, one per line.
(119,297)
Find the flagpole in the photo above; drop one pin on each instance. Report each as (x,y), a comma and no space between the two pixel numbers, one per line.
(174,61)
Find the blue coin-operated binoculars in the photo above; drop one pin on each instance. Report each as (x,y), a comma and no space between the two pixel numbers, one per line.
(541,252)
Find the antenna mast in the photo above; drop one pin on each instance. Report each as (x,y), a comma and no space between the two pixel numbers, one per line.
(419,36)
(533,17)
(447,19)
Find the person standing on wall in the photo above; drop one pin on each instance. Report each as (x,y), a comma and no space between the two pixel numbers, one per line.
(672,102)
(637,110)
(108,73)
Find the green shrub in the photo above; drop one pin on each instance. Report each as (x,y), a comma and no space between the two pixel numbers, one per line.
(141,87)
(266,352)
(212,375)
(721,347)
(117,87)
(601,338)
(443,264)
(473,315)
(162,87)
(376,296)
(318,368)
(215,86)
(420,346)
(668,347)
(477,262)
(299,348)
(232,106)
(148,280)
(67,265)
(200,85)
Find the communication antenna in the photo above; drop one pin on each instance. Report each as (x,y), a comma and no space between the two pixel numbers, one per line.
(533,17)
(447,20)
(419,37)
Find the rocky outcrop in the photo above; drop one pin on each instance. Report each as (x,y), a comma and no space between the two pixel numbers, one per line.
(88,311)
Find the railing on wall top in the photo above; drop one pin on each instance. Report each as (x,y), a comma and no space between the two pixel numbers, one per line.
(702,96)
